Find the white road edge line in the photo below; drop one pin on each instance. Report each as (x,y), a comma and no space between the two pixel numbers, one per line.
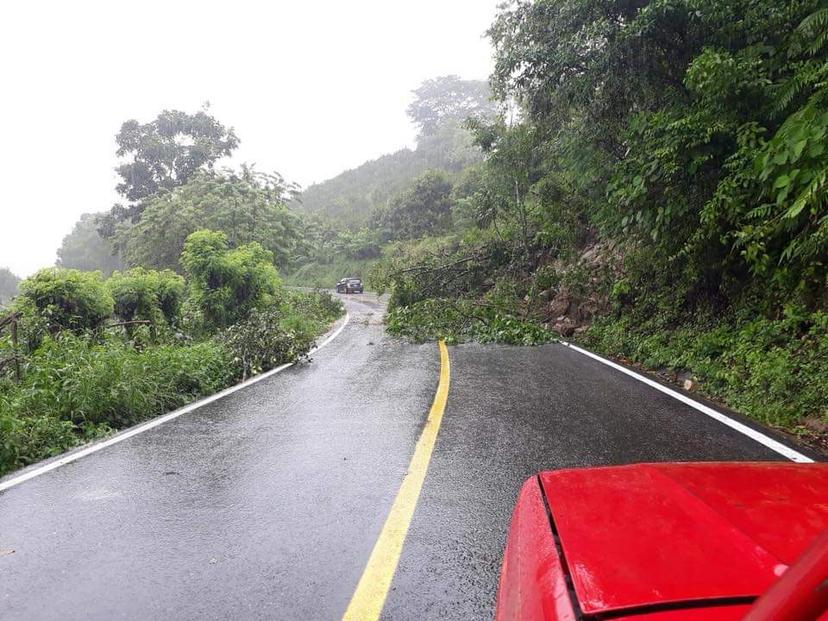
(753,434)
(165,418)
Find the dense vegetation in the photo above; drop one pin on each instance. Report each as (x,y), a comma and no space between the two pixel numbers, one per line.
(100,354)
(174,292)
(348,218)
(439,108)
(248,207)
(649,178)
(655,186)
(171,295)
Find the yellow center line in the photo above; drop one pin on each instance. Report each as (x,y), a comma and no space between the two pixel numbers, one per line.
(369,597)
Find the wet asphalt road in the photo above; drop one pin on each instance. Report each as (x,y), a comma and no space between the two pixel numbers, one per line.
(266,503)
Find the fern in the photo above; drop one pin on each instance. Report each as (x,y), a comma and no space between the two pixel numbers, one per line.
(813,32)
(807,77)
(812,197)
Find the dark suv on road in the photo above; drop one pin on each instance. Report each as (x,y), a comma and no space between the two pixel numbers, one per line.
(349,285)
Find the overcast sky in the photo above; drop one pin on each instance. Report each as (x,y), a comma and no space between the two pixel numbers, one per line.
(312,89)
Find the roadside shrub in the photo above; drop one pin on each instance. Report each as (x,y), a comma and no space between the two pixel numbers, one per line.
(26,440)
(226,284)
(449,266)
(772,370)
(79,386)
(320,306)
(265,340)
(141,294)
(268,338)
(66,299)
(74,379)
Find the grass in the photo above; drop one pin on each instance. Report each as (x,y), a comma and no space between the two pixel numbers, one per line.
(771,370)
(79,387)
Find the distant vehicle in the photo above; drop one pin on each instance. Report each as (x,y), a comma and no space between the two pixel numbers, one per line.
(669,542)
(349,285)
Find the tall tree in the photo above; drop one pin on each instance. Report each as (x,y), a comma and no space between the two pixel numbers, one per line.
(247,206)
(166,152)
(163,154)
(449,100)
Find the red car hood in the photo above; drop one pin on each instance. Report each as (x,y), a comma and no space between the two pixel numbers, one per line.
(639,536)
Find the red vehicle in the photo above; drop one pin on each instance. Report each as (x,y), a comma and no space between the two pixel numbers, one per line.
(669,542)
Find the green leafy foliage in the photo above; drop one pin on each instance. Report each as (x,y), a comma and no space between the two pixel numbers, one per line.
(261,342)
(77,388)
(66,299)
(786,238)
(81,379)
(26,440)
(226,284)
(247,207)
(148,295)
(671,103)
(423,209)
(769,369)
(115,384)
(443,288)
(270,337)
(167,151)
(464,320)
(317,306)
(449,267)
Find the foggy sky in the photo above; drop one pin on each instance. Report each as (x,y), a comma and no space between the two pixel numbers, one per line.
(311,88)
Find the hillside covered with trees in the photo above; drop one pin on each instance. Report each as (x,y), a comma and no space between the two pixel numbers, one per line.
(645,177)
(655,187)
(348,218)
(439,108)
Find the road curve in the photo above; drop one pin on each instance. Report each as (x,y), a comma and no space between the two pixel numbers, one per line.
(267,503)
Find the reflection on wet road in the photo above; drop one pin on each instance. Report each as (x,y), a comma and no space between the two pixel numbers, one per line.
(267,503)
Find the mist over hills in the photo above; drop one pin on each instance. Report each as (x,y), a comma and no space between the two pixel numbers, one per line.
(352,196)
